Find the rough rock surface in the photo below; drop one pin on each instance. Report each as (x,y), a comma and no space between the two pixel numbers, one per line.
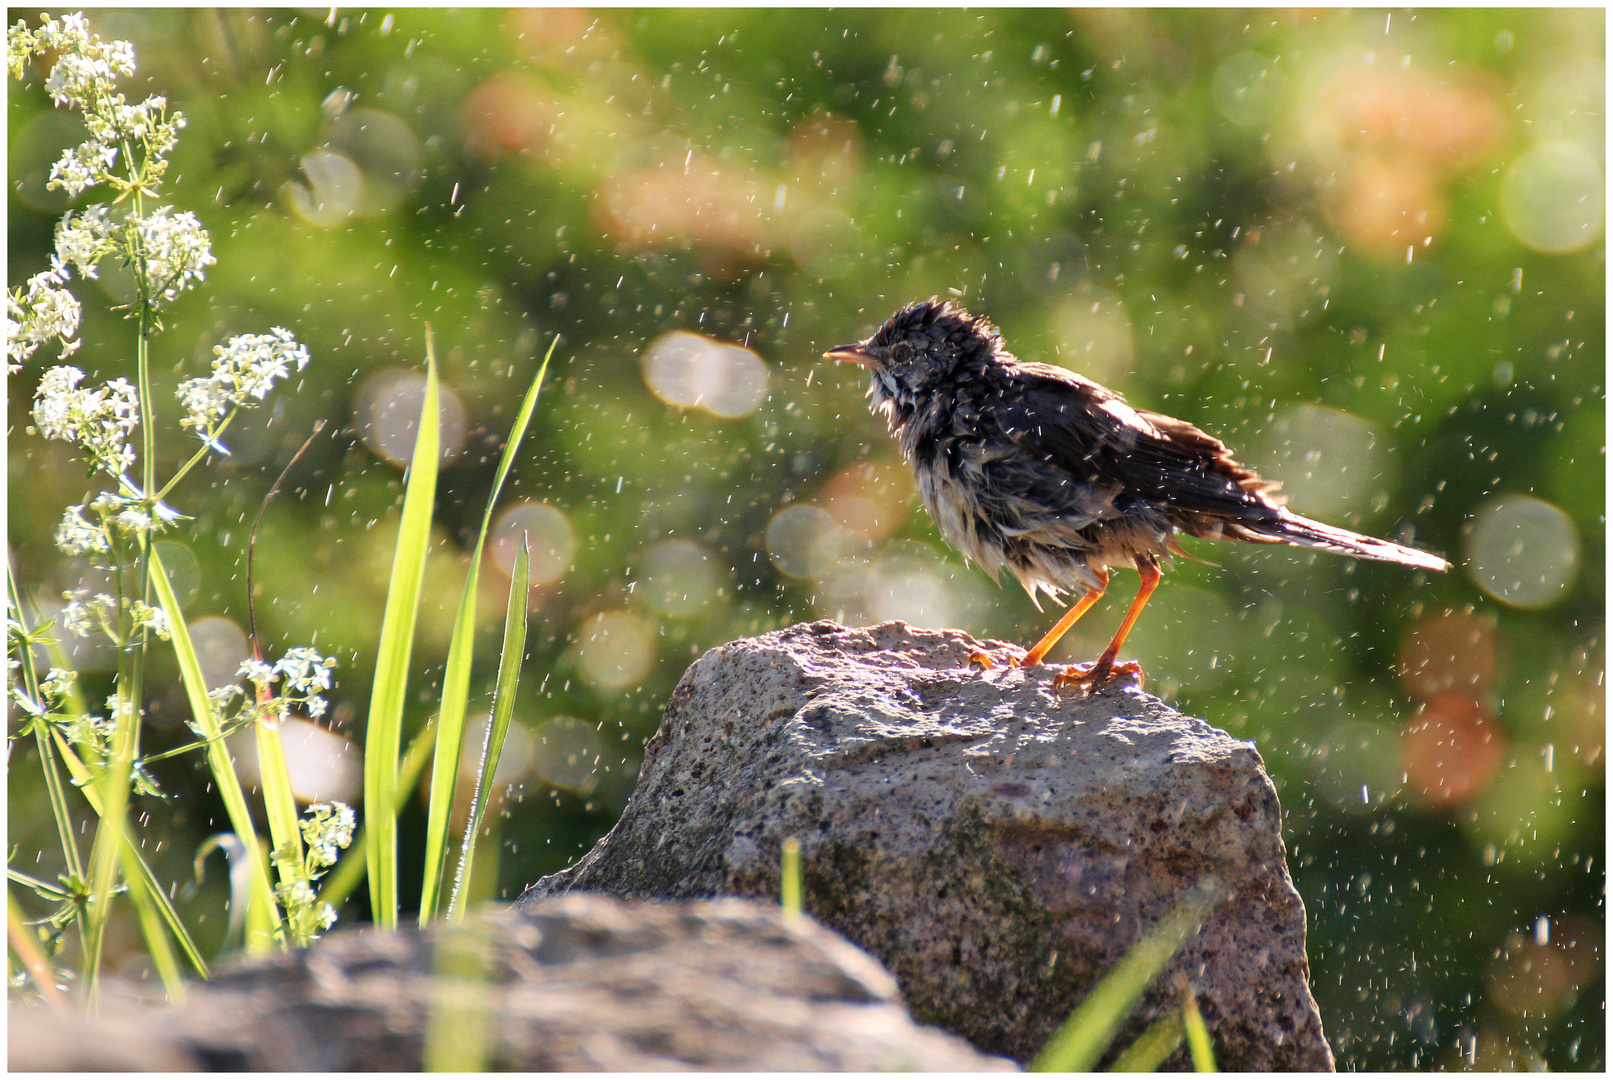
(997,844)
(576,983)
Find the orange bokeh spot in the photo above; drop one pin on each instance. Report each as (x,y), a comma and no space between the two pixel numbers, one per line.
(1386,204)
(1448,653)
(508,113)
(1450,750)
(870,497)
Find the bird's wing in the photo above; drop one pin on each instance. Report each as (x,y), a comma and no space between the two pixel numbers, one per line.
(1091,434)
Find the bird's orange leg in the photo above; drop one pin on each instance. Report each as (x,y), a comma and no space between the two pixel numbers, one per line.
(1104,670)
(1051,638)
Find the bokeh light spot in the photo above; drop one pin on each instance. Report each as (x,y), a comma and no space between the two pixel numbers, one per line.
(615,649)
(565,754)
(1447,653)
(1328,461)
(220,646)
(1553,197)
(514,758)
(333,190)
(321,764)
(803,541)
(679,578)
(1450,750)
(550,541)
(1247,88)
(388,411)
(1523,551)
(694,371)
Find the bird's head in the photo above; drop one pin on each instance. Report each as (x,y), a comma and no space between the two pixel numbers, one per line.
(925,339)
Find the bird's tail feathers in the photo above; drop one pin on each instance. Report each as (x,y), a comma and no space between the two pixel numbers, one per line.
(1305,532)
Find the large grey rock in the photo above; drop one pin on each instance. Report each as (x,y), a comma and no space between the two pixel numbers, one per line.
(573,984)
(997,844)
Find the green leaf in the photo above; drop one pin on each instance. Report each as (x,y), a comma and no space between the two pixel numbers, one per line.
(509,675)
(384,733)
(1081,1040)
(338,885)
(1198,1036)
(456,673)
(1152,1047)
(262,917)
(790,878)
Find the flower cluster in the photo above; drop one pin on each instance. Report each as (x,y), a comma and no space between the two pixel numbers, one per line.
(305,673)
(41,310)
(99,420)
(244,370)
(85,77)
(327,830)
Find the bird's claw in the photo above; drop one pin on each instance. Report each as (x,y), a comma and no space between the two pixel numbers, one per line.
(1096,677)
(987,662)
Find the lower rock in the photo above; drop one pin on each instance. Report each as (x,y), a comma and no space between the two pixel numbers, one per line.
(580,983)
(998,844)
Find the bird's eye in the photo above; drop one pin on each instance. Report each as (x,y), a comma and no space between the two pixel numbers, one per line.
(901,352)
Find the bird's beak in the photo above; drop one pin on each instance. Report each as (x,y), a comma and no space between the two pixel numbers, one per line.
(850,354)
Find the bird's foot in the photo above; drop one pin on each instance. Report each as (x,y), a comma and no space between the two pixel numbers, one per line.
(1099,676)
(987,662)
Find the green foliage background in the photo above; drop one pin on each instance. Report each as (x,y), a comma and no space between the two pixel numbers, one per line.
(1208,210)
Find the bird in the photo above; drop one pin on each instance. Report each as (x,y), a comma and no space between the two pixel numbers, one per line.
(1039,471)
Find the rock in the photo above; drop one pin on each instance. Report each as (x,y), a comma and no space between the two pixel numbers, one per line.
(998,845)
(119,1040)
(575,983)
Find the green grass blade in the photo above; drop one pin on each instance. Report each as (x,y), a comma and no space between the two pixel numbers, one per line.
(262,916)
(790,878)
(509,677)
(280,805)
(1198,1035)
(83,778)
(384,734)
(1082,1039)
(1152,1047)
(457,671)
(460,1025)
(151,925)
(336,886)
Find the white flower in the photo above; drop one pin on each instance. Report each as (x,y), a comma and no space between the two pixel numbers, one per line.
(76,536)
(153,618)
(257,672)
(173,249)
(244,370)
(59,683)
(305,670)
(99,420)
(84,239)
(87,67)
(327,830)
(41,310)
(83,166)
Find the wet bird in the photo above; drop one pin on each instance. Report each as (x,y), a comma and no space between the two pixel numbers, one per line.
(1034,469)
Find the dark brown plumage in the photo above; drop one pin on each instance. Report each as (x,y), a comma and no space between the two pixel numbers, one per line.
(1037,470)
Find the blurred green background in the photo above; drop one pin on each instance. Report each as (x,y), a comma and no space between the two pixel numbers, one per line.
(1365,249)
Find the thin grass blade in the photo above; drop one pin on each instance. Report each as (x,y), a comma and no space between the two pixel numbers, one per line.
(384,735)
(457,671)
(85,782)
(262,917)
(336,886)
(1082,1039)
(1198,1035)
(1152,1047)
(509,677)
